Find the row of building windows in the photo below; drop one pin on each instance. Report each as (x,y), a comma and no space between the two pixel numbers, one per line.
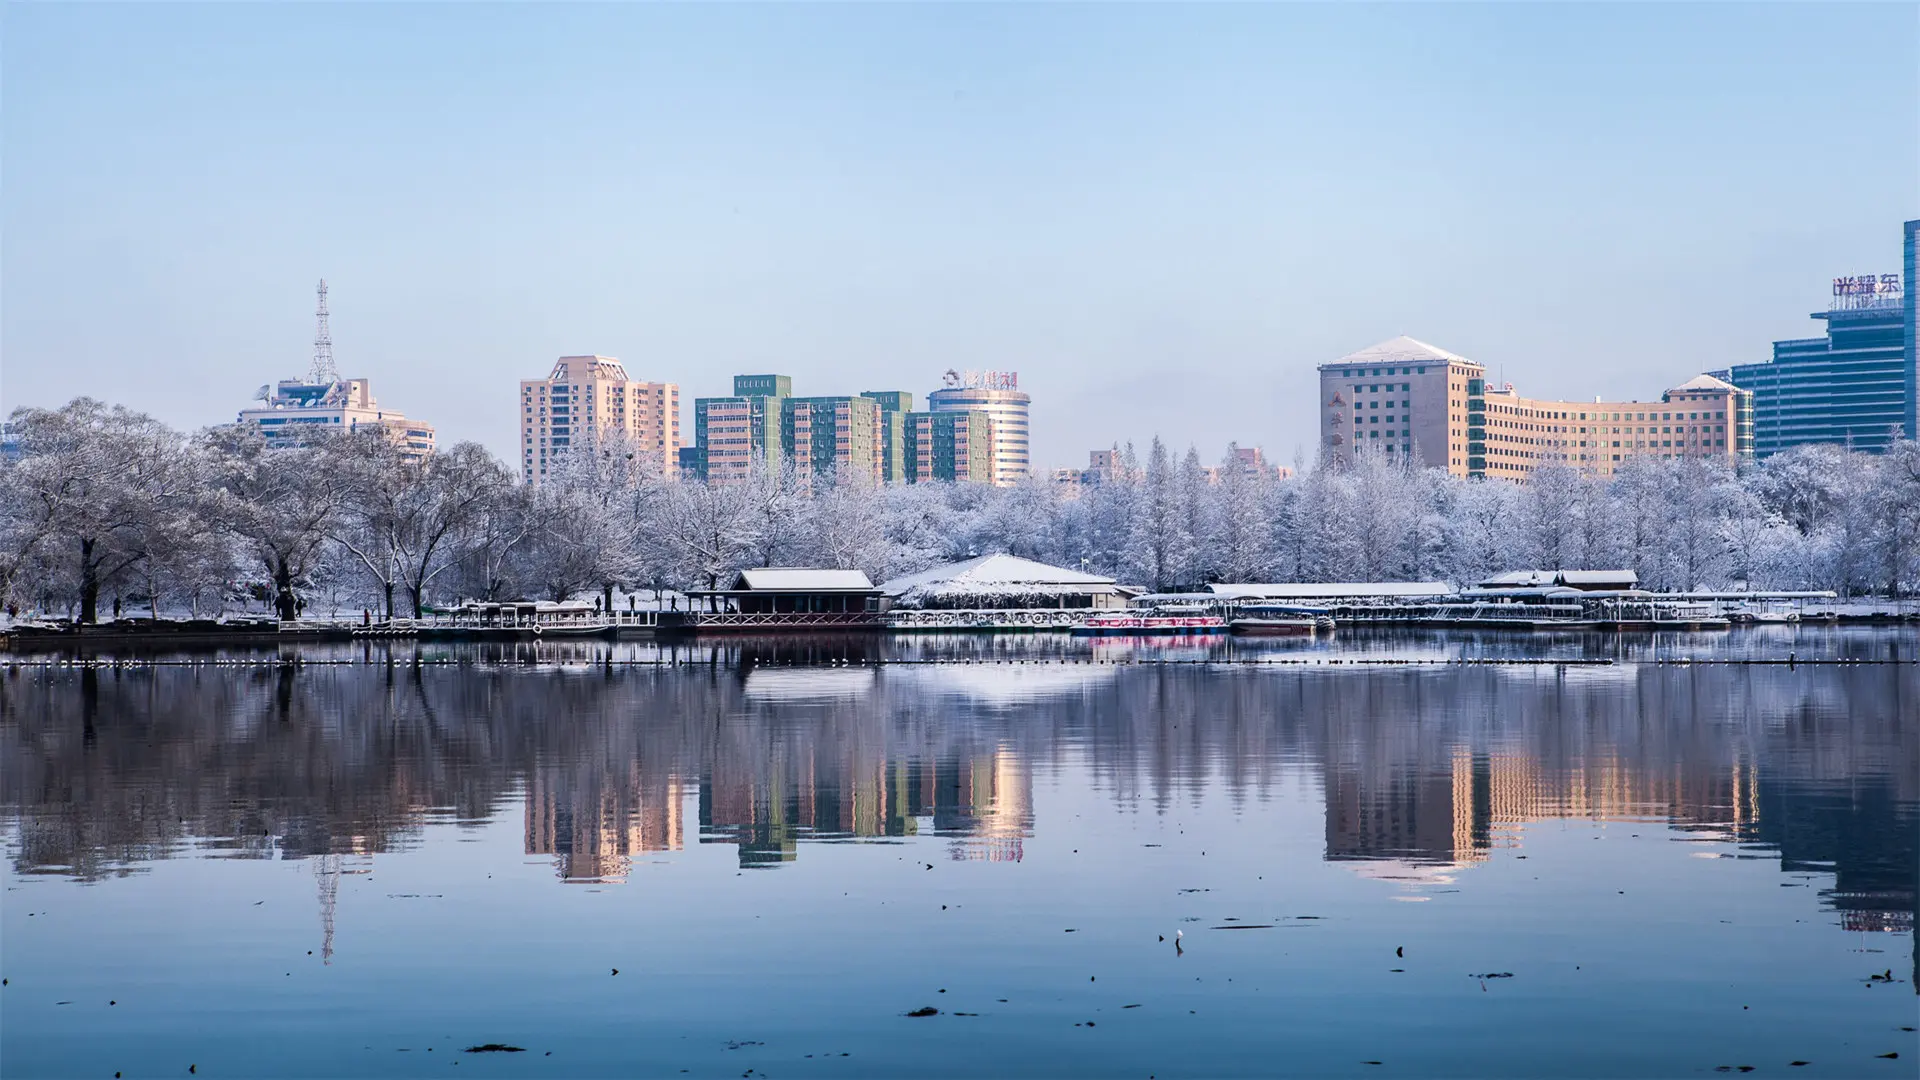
(1543,414)
(1378,372)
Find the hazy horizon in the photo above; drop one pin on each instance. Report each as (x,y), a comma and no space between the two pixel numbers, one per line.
(1162,217)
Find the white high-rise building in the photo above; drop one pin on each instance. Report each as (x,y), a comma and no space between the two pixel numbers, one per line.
(996,393)
(296,409)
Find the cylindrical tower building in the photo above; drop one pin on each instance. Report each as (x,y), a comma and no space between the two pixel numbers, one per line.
(996,393)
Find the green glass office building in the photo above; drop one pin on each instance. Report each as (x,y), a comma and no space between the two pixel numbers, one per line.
(733,435)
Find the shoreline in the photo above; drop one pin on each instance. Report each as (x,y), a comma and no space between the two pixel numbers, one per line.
(36,641)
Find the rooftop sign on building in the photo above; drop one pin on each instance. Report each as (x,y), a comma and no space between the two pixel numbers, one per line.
(1863,292)
(982,380)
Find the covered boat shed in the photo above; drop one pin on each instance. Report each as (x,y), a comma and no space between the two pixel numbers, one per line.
(1003,582)
(785,590)
(1581,580)
(1331,591)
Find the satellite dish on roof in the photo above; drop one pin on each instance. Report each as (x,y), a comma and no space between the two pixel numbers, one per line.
(265,393)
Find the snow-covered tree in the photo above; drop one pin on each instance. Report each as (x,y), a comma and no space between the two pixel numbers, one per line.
(777,500)
(1698,500)
(1376,495)
(102,487)
(495,540)
(1194,499)
(1159,545)
(279,505)
(1637,499)
(1112,507)
(1238,531)
(1895,489)
(1024,520)
(1550,517)
(845,526)
(103,504)
(1480,530)
(711,527)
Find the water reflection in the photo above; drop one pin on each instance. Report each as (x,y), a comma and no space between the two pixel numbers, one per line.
(1425,772)
(1757,642)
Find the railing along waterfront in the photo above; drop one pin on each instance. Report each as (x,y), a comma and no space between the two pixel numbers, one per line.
(771,620)
(913,619)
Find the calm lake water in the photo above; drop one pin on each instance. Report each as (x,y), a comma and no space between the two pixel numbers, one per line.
(757,859)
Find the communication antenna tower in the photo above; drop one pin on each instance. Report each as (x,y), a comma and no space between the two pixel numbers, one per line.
(327,870)
(323,370)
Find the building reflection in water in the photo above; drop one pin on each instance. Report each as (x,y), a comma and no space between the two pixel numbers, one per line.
(984,804)
(594,824)
(1425,772)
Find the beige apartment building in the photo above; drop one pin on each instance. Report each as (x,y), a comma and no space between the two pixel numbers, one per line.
(1401,397)
(1700,418)
(586,398)
(1407,397)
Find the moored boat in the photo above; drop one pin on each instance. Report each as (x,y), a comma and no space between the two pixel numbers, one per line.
(1766,611)
(1169,619)
(1275,620)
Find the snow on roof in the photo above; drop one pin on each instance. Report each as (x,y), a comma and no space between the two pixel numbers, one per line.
(997,574)
(1401,350)
(1600,577)
(1518,577)
(766,684)
(1706,382)
(1005,685)
(799,579)
(1625,579)
(1329,590)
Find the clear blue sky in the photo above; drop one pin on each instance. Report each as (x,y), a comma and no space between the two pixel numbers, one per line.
(1162,216)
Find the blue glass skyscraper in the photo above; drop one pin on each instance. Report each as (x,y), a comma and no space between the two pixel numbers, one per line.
(1855,386)
(1913,357)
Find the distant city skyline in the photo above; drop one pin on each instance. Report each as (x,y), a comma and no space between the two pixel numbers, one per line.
(1164,218)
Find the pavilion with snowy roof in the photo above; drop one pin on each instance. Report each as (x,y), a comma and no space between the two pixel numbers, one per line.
(791,590)
(1003,582)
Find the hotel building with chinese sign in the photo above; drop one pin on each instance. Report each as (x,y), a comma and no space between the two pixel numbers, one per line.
(1853,386)
(1406,397)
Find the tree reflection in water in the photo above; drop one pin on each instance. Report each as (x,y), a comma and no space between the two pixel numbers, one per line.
(1425,771)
